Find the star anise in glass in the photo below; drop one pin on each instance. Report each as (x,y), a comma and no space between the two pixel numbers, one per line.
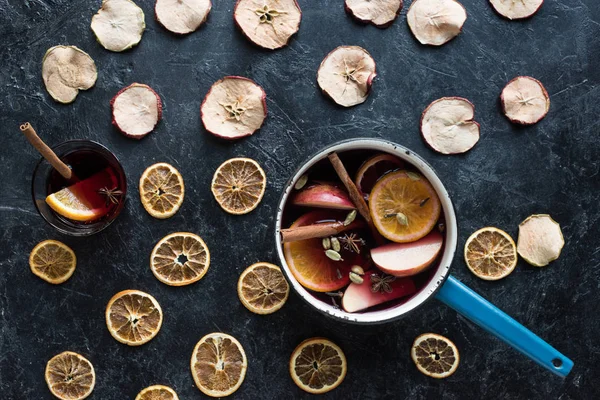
(381,283)
(352,242)
(112,195)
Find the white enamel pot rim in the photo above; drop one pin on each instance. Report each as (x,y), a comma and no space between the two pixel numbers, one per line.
(442,271)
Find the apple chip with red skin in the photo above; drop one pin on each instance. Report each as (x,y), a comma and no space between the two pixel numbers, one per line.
(516,9)
(447,125)
(182,16)
(136,110)
(268,23)
(525,101)
(380,13)
(234,107)
(346,75)
(435,22)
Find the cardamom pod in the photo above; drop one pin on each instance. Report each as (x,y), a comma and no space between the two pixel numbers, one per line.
(355,278)
(301,182)
(357,269)
(402,219)
(350,218)
(326,243)
(333,255)
(335,244)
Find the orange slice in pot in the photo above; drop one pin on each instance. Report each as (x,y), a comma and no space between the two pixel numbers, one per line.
(404,206)
(373,169)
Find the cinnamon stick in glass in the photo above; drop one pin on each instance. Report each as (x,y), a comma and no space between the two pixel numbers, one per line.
(45,151)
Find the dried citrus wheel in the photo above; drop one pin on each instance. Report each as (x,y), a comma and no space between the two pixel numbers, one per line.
(239,185)
(52,261)
(70,376)
(318,365)
(404,206)
(133,317)
(373,169)
(262,288)
(218,364)
(157,392)
(161,190)
(435,355)
(490,253)
(179,259)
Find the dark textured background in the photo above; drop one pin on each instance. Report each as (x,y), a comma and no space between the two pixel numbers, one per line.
(513,172)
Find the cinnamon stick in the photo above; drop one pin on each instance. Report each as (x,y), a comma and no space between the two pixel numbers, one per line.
(355,195)
(45,151)
(321,230)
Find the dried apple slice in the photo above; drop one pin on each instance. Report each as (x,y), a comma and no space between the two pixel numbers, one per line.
(136,110)
(447,125)
(66,70)
(540,240)
(182,16)
(380,13)
(323,195)
(407,259)
(118,25)
(525,100)
(234,107)
(346,75)
(516,9)
(376,289)
(436,22)
(268,23)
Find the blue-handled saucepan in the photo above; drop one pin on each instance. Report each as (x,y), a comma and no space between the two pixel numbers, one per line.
(442,285)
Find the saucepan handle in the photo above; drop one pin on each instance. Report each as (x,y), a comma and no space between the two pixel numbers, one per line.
(483,313)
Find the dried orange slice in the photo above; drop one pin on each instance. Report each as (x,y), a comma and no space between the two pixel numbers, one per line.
(179,259)
(133,317)
(404,206)
(218,364)
(373,169)
(52,261)
(161,190)
(262,288)
(70,376)
(157,392)
(490,253)
(435,355)
(239,185)
(318,365)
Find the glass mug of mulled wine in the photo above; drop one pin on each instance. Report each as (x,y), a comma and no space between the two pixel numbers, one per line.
(90,199)
(366,233)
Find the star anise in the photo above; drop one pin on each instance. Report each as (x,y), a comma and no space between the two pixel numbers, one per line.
(352,242)
(112,195)
(381,283)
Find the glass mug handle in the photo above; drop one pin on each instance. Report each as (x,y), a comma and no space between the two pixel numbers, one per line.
(483,313)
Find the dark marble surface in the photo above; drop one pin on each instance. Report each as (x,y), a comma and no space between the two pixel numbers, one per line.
(513,172)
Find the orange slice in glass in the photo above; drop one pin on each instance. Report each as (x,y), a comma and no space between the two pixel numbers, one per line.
(373,169)
(81,201)
(404,206)
(318,365)
(133,317)
(262,288)
(52,261)
(179,259)
(70,376)
(491,254)
(309,263)
(435,355)
(161,190)
(239,185)
(157,392)
(218,364)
